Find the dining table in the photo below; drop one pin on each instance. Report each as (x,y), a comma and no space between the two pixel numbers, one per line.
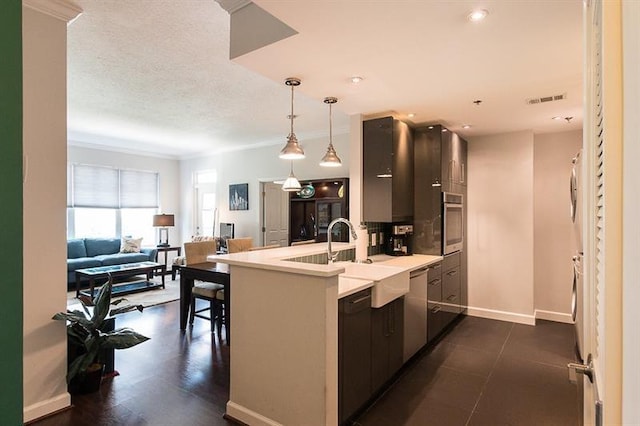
(210,272)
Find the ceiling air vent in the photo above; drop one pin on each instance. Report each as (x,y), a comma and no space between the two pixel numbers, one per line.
(543,99)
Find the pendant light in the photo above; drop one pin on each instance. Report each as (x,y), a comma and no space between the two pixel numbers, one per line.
(330,159)
(292,183)
(292,150)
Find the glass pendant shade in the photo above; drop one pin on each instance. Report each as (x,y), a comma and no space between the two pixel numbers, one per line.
(292,150)
(292,183)
(331,158)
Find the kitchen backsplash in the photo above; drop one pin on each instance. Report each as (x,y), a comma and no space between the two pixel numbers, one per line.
(378,229)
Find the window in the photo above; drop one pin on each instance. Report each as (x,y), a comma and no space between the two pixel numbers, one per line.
(205,199)
(108,202)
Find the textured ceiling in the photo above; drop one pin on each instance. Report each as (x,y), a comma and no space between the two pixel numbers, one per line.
(156,76)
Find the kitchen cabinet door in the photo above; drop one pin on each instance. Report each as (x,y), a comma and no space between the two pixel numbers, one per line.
(354,349)
(387,170)
(435,324)
(387,331)
(427,221)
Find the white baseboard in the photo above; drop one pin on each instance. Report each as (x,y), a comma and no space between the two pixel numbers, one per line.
(48,406)
(501,315)
(249,417)
(553,316)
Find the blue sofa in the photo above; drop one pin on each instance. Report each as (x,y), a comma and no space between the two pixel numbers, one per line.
(91,252)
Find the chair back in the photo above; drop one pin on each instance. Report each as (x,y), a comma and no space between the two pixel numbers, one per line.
(236,245)
(197,252)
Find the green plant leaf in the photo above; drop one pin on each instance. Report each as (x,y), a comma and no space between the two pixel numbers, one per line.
(122,338)
(102,302)
(124,309)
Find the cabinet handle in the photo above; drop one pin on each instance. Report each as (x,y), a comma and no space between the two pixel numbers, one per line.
(436,309)
(435,282)
(361,299)
(436,266)
(452,273)
(462,171)
(452,298)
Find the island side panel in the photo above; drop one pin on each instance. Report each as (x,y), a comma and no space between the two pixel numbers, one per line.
(284,350)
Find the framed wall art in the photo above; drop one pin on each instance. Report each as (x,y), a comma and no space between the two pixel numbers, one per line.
(239,196)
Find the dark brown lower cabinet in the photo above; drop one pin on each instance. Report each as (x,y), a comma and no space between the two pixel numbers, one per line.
(435,323)
(444,302)
(354,353)
(387,336)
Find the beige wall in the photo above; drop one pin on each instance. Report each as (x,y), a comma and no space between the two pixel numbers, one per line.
(253,166)
(553,230)
(500,226)
(45,152)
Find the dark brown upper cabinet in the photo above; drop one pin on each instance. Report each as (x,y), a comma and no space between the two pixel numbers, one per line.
(387,187)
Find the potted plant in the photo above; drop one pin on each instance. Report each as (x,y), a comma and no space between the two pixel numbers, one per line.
(85,331)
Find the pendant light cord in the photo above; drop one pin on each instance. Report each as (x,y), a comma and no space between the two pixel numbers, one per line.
(291,133)
(330,125)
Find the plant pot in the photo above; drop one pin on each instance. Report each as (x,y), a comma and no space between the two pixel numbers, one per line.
(87,382)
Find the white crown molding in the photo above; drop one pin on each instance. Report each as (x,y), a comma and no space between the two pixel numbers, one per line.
(233,5)
(59,9)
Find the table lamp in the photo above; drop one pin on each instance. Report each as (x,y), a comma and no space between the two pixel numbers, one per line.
(163,221)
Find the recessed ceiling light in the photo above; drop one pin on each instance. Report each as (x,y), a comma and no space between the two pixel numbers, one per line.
(477,15)
(411,115)
(356,79)
(466,126)
(557,117)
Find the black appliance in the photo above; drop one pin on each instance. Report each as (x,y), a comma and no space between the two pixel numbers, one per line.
(400,240)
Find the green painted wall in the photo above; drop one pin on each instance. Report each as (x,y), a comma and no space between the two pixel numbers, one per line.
(11,212)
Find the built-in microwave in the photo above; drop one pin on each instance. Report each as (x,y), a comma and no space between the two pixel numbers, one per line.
(453,222)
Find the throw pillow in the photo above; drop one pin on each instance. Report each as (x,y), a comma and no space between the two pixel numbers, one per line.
(130,245)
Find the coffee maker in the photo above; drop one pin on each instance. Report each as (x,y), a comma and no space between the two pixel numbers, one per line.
(400,241)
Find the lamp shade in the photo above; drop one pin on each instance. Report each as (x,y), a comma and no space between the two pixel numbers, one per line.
(163,220)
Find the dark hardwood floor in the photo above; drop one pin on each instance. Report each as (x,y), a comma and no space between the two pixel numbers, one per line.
(176,378)
(483,372)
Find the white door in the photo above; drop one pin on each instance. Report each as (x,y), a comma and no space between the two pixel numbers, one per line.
(601,207)
(275,214)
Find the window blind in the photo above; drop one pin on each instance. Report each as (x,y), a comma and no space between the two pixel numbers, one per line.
(106,187)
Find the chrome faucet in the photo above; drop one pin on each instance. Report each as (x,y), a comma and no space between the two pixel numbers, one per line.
(331,256)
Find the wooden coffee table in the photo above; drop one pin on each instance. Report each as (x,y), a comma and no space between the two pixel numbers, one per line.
(124,270)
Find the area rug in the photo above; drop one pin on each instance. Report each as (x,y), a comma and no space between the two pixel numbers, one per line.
(148,298)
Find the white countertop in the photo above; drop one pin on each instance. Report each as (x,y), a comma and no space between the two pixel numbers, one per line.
(348,286)
(411,263)
(353,277)
(275,259)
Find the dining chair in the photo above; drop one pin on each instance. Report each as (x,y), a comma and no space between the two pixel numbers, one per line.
(196,253)
(237,245)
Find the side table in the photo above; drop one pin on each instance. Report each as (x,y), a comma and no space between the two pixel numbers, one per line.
(166,251)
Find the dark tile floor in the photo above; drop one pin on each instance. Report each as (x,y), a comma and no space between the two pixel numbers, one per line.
(486,372)
(483,372)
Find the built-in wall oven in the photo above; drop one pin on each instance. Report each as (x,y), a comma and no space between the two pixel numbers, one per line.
(453,222)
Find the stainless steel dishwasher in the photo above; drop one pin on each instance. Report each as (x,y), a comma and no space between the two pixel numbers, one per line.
(415,313)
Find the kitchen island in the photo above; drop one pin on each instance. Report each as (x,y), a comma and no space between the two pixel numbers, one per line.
(284,355)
